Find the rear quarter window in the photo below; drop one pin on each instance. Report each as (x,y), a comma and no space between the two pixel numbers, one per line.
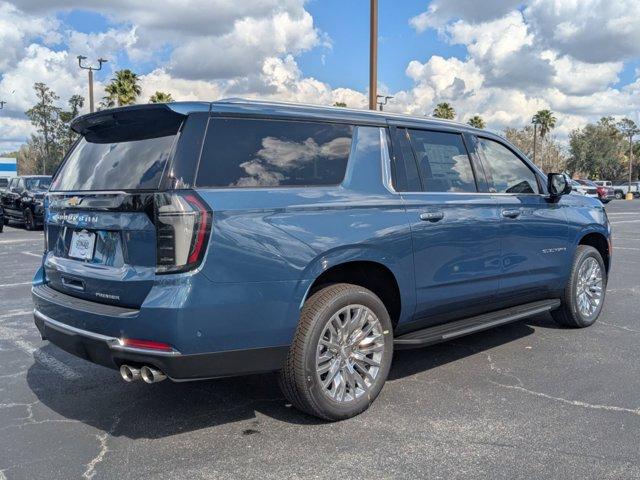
(241,153)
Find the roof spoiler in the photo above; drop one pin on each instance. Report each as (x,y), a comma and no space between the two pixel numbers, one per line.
(136,122)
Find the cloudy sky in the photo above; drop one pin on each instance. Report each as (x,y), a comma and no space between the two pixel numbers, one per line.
(502,59)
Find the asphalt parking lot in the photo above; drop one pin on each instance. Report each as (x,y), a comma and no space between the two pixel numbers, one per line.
(527,400)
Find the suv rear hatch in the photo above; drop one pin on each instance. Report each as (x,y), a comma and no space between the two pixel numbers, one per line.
(109,229)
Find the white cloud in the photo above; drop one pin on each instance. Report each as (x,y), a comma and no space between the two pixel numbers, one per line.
(17,31)
(441,12)
(243,50)
(593,31)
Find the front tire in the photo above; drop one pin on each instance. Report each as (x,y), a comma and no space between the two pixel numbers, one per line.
(584,294)
(341,353)
(29,222)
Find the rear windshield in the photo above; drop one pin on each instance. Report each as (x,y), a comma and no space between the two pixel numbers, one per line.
(130,165)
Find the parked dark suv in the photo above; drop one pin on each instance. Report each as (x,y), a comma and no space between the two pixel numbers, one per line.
(201,240)
(23,200)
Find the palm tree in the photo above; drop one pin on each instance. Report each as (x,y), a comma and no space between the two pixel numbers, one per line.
(545,121)
(122,90)
(444,110)
(161,97)
(476,121)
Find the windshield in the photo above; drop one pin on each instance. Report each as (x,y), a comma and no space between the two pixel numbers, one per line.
(128,165)
(37,183)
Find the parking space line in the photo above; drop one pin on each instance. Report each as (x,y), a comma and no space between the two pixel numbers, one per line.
(43,358)
(14,284)
(15,313)
(625,221)
(32,254)
(7,242)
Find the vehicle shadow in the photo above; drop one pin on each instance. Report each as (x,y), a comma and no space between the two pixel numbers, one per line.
(101,399)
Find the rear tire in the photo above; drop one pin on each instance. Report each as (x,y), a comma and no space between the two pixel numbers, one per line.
(585,292)
(619,195)
(341,353)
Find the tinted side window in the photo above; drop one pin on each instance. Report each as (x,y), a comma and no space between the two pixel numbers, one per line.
(443,161)
(271,153)
(406,177)
(505,170)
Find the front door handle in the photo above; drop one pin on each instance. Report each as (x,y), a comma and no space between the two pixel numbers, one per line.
(511,213)
(434,216)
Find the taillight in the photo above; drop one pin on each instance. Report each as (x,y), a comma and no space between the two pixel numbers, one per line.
(183,223)
(146,344)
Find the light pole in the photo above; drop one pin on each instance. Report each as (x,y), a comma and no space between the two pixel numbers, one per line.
(535,136)
(373,55)
(91,70)
(383,101)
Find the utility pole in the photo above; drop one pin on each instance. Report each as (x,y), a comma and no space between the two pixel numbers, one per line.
(91,70)
(630,158)
(2,104)
(383,101)
(373,56)
(535,136)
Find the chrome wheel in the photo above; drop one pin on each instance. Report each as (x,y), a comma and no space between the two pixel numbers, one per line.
(589,289)
(349,353)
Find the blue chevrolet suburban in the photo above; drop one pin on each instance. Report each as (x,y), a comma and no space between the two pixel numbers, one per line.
(201,240)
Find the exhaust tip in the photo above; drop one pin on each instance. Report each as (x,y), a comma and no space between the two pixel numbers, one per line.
(151,375)
(129,374)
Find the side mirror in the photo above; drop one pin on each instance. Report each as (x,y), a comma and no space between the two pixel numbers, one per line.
(558,184)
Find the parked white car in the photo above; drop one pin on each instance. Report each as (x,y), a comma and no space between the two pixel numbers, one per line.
(579,189)
(622,188)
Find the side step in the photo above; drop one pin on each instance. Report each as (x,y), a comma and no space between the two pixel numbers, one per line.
(448,331)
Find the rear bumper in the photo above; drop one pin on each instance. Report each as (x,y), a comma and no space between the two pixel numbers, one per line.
(108,350)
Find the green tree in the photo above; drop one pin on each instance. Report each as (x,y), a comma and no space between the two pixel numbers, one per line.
(122,90)
(66,136)
(597,150)
(444,110)
(551,150)
(161,97)
(629,129)
(546,122)
(340,104)
(44,117)
(476,121)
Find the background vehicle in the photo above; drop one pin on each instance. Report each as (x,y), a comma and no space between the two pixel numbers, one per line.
(605,193)
(579,188)
(4,183)
(23,200)
(1,219)
(621,188)
(603,183)
(234,237)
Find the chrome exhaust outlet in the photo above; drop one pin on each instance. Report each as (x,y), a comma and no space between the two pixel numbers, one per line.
(129,374)
(151,375)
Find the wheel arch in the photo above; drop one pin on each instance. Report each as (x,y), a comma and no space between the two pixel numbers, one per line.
(370,274)
(600,242)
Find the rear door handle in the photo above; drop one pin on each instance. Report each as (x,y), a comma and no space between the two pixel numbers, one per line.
(511,213)
(434,216)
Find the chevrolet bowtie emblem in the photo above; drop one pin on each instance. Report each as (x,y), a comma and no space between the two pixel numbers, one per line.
(73,201)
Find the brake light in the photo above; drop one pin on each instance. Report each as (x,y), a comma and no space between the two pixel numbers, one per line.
(146,344)
(183,223)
